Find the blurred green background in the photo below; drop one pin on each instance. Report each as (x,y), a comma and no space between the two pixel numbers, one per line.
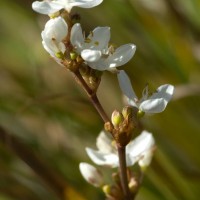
(43,107)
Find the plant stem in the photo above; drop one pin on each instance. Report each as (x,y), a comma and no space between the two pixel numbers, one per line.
(123,172)
(121,150)
(92,96)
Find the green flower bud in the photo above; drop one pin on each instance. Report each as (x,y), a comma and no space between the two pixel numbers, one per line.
(116,118)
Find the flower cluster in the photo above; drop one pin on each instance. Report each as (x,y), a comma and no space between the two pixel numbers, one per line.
(66,42)
(140,150)
(87,57)
(96,51)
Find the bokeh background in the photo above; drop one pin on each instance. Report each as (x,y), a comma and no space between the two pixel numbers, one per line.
(49,120)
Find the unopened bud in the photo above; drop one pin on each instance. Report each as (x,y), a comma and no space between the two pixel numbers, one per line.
(91,174)
(127,111)
(116,118)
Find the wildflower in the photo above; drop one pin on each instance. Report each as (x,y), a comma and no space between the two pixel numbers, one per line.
(138,150)
(154,103)
(55,31)
(96,51)
(91,174)
(49,7)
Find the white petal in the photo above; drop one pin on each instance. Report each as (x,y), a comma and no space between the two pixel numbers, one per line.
(91,55)
(159,100)
(121,55)
(91,174)
(54,32)
(49,50)
(130,160)
(146,158)
(100,65)
(76,37)
(105,159)
(140,144)
(125,85)
(104,143)
(99,37)
(164,91)
(45,7)
(86,3)
(153,105)
(56,28)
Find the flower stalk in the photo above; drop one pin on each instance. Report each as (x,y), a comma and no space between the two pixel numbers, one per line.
(92,96)
(123,172)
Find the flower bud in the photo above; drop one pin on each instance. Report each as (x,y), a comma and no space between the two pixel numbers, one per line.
(91,174)
(116,118)
(126,111)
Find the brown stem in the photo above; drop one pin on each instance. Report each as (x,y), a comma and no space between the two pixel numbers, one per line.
(54,181)
(92,96)
(121,150)
(123,172)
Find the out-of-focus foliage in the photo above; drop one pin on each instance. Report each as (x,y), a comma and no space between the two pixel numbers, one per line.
(41,104)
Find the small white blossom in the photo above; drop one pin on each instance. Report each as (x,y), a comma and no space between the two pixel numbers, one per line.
(155,103)
(48,7)
(91,174)
(138,150)
(96,51)
(55,31)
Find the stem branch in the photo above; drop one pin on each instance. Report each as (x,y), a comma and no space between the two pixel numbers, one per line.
(121,150)
(92,96)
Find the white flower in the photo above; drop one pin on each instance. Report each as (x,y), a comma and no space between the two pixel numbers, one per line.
(155,103)
(91,174)
(95,49)
(48,7)
(55,31)
(138,150)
